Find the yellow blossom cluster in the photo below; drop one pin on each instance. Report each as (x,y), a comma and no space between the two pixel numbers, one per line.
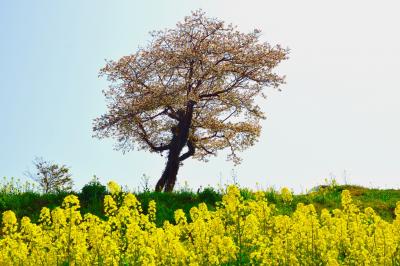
(287,196)
(238,232)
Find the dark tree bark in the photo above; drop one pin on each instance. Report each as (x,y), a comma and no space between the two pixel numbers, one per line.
(168,178)
(180,139)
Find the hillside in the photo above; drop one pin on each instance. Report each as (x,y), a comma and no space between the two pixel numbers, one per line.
(29,203)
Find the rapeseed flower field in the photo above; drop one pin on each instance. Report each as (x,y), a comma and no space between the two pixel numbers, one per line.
(239,232)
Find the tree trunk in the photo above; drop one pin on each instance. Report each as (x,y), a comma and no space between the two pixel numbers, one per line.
(168,178)
(180,135)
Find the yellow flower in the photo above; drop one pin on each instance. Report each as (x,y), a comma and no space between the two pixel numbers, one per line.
(45,217)
(72,202)
(113,187)
(9,222)
(237,229)
(287,196)
(152,211)
(110,207)
(180,217)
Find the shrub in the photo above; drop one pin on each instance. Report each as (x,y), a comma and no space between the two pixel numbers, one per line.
(92,196)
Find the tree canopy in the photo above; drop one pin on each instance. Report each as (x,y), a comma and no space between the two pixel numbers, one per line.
(51,177)
(192,86)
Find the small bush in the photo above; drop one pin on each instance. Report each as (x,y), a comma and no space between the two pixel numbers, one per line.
(92,196)
(209,196)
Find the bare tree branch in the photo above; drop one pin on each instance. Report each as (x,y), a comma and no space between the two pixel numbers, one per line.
(190,152)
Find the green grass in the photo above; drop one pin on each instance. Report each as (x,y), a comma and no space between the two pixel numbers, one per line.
(29,203)
(383,201)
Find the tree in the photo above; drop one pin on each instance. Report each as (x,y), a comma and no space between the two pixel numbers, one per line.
(190,93)
(51,177)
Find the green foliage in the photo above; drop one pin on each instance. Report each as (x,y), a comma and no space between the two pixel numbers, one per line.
(26,202)
(209,196)
(168,202)
(92,197)
(271,195)
(30,203)
(246,193)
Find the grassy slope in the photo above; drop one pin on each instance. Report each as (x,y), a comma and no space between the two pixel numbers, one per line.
(382,201)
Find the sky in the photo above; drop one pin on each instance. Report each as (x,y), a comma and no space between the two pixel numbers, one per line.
(337,116)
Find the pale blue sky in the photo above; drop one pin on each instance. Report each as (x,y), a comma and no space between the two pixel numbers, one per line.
(338,111)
